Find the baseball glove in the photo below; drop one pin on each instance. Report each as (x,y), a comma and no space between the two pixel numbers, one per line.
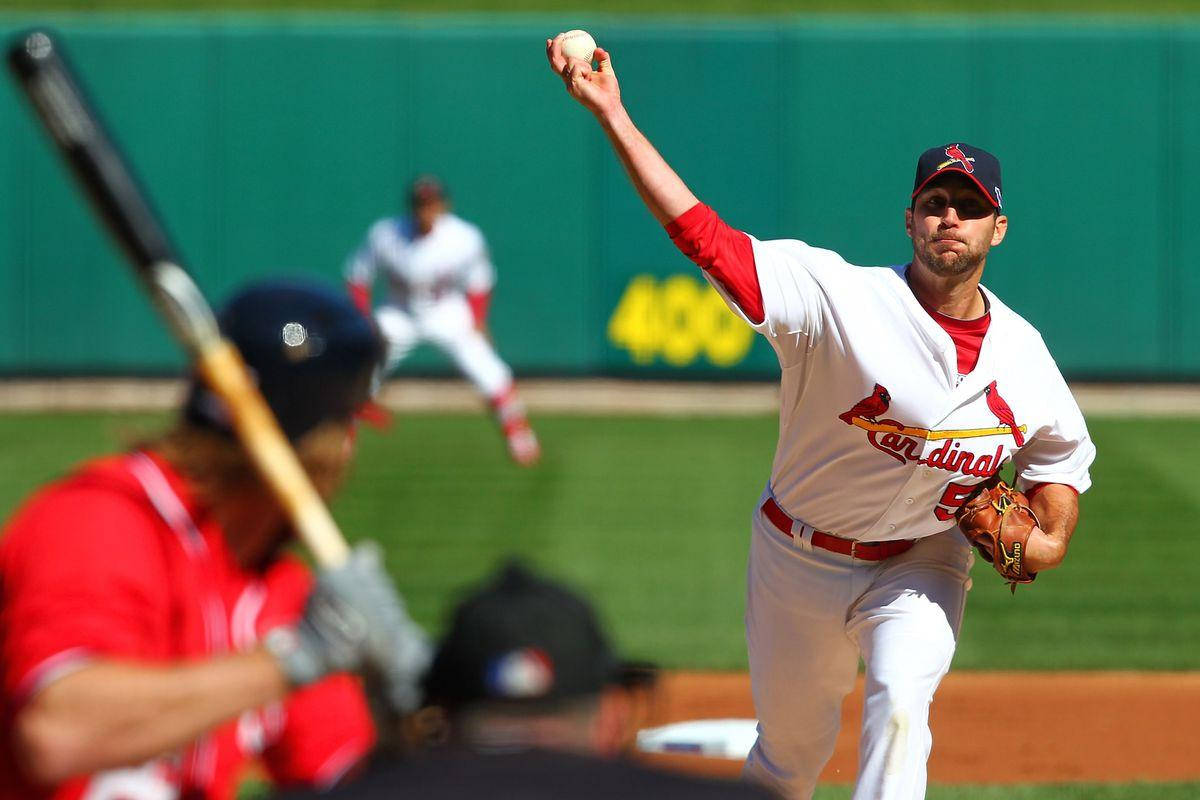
(997,520)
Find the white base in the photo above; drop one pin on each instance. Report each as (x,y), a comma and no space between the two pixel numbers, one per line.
(714,738)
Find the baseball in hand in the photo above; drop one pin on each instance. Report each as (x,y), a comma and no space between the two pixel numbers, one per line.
(578,44)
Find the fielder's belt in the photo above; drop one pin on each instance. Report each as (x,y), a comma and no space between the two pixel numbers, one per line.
(863,551)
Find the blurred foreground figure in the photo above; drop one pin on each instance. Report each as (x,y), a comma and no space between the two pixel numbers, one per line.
(153,635)
(440,281)
(531,704)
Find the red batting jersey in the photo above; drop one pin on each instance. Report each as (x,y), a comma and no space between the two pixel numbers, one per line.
(119,561)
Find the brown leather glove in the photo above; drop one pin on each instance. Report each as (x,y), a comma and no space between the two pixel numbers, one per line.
(997,520)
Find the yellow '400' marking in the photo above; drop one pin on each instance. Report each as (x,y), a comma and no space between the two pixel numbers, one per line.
(925,433)
(678,320)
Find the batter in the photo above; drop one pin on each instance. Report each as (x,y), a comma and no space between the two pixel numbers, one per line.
(157,639)
(903,388)
(440,282)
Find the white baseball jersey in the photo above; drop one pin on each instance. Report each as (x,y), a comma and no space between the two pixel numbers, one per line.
(420,270)
(852,338)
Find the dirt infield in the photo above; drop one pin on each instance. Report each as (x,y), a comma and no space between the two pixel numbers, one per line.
(1099,727)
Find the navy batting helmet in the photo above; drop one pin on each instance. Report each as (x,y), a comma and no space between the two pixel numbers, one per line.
(314,355)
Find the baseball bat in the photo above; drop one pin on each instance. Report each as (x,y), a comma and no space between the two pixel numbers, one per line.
(106,177)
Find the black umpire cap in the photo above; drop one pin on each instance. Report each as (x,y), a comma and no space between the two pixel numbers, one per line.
(523,640)
(314,355)
(980,166)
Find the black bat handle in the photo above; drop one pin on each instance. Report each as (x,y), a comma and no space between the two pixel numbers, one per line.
(42,70)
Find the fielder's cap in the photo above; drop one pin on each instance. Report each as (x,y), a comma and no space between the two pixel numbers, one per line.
(979,165)
(425,189)
(314,355)
(523,640)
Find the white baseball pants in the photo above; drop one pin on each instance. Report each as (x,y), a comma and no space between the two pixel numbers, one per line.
(810,613)
(448,325)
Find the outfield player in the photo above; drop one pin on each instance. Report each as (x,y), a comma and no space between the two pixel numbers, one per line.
(902,388)
(440,279)
(155,637)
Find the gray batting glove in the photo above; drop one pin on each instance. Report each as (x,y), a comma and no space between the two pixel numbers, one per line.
(355,621)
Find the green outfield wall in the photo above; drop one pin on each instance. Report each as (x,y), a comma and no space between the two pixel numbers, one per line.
(271,143)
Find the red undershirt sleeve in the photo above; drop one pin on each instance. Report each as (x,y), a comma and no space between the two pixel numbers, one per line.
(1034,490)
(479,302)
(723,252)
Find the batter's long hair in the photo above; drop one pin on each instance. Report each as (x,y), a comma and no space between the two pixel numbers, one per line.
(218,468)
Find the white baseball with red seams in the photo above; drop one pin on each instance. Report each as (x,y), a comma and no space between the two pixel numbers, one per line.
(578,44)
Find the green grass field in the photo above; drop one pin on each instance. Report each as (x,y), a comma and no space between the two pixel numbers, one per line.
(650,517)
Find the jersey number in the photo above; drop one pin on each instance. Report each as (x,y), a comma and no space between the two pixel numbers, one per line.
(952,499)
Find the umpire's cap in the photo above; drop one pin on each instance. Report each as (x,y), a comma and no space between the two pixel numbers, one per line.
(523,640)
(314,354)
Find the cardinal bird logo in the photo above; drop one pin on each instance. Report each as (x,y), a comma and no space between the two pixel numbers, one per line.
(1003,412)
(869,407)
(955,153)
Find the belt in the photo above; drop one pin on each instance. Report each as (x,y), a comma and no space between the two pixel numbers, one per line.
(864,551)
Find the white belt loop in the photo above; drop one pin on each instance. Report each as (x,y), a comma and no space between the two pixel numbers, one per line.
(803,533)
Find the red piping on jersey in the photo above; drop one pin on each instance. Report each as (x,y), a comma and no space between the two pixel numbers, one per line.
(44,673)
(723,252)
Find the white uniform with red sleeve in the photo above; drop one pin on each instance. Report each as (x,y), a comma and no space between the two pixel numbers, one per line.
(884,427)
(438,289)
(429,280)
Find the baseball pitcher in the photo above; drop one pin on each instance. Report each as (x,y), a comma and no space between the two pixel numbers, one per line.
(905,389)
